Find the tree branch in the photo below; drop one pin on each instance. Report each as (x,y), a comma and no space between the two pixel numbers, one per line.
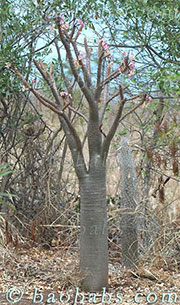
(86,75)
(104,100)
(94,134)
(78,113)
(43,100)
(70,132)
(88,94)
(134,108)
(61,66)
(110,135)
(49,79)
(88,54)
(117,120)
(99,69)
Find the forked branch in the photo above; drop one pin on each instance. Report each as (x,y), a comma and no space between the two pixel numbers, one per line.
(73,139)
(117,120)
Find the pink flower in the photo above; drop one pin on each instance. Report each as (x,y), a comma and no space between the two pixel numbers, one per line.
(34,81)
(131,73)
(149,99)
(104,44)
(119,70)
(64,26)
(76,63)
(80,56)
(59,19)
(64,94)
(105,47)
(81,23)
(24,88)
(7,65)
(124,53)
(131,57)
(132,65)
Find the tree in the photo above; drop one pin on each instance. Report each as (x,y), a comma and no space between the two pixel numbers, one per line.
(91,173)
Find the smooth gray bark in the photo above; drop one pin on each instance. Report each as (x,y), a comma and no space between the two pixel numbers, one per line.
(93,240)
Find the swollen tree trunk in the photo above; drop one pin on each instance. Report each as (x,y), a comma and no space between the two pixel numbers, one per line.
(128,220)
(93,241)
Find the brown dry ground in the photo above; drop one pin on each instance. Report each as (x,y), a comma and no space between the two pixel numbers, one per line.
(56,271)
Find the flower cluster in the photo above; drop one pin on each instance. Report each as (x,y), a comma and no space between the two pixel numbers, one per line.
(131,65)
(63,25)
(105,48)
(127,65)
(7,65)
(149,99)
(65,94)
(81,24)
(81,55)
(124,53)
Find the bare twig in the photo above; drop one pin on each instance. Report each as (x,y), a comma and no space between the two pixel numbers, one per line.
(79,113)
(134,108)
(87,78)
(107,141)
(88,54)
(49,79)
